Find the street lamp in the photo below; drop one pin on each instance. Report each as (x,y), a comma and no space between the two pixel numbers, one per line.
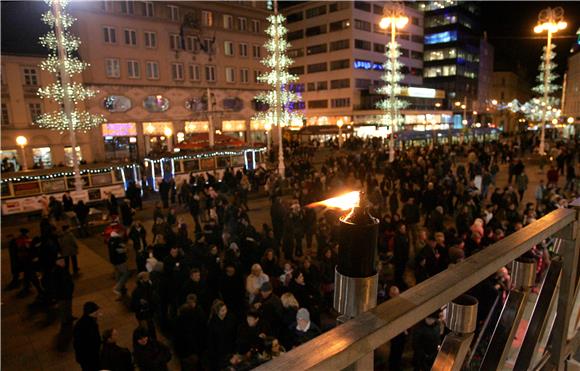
(339,123)
(22,142)
(168,133)
(395,18)
(570,120)
(550,20)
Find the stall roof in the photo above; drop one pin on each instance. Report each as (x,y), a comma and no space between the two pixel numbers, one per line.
(324,130)
(201,141)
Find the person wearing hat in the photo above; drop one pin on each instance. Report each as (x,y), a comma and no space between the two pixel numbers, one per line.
(87,338)
(304,329)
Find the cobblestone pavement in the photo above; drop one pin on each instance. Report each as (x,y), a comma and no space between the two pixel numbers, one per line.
(29,341)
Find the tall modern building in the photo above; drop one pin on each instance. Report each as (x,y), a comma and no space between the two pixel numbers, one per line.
(452,53)
(338,50)
(152,63)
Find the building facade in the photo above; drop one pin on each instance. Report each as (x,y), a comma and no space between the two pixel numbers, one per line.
(154,64)
(507,86)
(338,50)
(572,93)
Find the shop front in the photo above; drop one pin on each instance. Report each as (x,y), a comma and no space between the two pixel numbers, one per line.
(158,136)
(258,132)
(120,141)
(234,128)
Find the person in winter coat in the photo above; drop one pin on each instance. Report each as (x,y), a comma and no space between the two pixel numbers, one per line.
(401,255)
(426,339)
(114,357)
(304,329)
(190,323)
(149,354)
(144,302)
(254,281)
(69,249)
(251,333)
(118,257)
(62,291)
(87,339)
(231,289)
(220,335)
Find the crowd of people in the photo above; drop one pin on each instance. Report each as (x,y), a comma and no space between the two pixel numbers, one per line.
(218,293)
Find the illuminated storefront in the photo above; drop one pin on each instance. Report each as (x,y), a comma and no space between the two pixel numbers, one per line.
(157,135)
(120,141)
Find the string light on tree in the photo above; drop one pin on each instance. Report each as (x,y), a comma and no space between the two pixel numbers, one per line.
(279,98)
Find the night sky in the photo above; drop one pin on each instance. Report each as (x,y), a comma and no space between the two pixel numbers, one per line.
(509,26)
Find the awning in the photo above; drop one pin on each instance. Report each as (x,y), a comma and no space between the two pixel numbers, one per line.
(201,141)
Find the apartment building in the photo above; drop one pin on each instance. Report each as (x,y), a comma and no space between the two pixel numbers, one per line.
(153,64)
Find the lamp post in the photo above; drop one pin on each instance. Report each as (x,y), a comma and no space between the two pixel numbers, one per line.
(268,127)
(395,18)
(339,123)
(168,133)
(550,20)
(22,142)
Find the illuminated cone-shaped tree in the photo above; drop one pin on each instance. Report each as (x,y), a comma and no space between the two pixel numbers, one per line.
(392,106)
(64,64)
(280,99)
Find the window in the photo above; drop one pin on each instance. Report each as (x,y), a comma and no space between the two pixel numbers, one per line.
(295,35)
(298,88)
(335,7)
(441,37)
(315,12)
(362,44)
(255,26)
(107,5)
(208,45)
(228,48)
(35,110)
(441,20)
(340,64)
(152,70)
(177,71)
(110,35)
(174,41)
(339,45)
(404,52)
(362,83)
(316,67)
(316,30)
(210,73)
(257,76)
(297,70)
(362,5)
(130,37)
(417,39)
(133,71)
(339,25)
(256,51)
(173,12)
(439,71)
(30,76)
(113,68)
(127,7)
(243,50)
(149,9)
(230,74)
(322,85)
(194,72)
(362,25)
(322,103)
(150,39)
(244,73)
(191,43)
(242,24)
(206,18)
(296,53)
(379,48)
(295,17)
(404,36)
(415,21)
(228,22)
(5,115)
(311,86)
(316,49)
(377,9)
(416,55)
(340,84)
(340,102)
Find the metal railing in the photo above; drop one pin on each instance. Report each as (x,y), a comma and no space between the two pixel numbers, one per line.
(359,337)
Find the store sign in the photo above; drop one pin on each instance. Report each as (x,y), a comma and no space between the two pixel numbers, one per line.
(422,93)
(120,130)
(156,128)
(360,64)
(196,127)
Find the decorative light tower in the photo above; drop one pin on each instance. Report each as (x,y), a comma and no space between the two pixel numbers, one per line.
(279,97)
(550,20)
(394,18)
(63,64)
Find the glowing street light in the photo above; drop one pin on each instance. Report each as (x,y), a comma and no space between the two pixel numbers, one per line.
(339,123)
(570,120)
(168,133)
(22,142)
(394,17)
(550,20)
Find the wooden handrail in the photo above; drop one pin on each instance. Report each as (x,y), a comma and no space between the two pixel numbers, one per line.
(345,344)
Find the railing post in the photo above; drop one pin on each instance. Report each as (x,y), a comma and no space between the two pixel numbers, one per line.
(569,250)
